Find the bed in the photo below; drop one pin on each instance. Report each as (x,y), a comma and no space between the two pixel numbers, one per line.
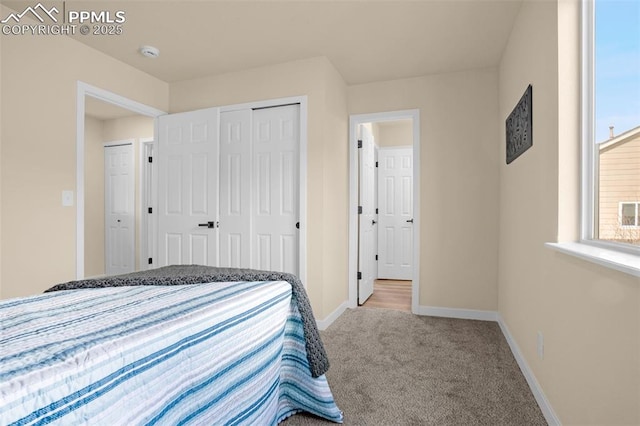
(196,353)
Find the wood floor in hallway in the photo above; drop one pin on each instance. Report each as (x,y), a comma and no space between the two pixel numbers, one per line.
(390,294)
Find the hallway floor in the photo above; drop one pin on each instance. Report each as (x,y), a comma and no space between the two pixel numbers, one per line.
(390,294)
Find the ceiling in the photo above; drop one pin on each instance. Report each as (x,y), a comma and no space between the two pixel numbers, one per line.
(366,40)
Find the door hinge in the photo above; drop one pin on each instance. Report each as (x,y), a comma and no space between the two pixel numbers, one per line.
(359,144)
(376,257)
(359,209)
(150,210)
(376,211)
(376,164)
(359,275)
(150,260)
(151,159)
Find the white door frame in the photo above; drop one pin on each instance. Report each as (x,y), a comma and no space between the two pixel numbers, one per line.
(354,121)
(302,100)
(84,89)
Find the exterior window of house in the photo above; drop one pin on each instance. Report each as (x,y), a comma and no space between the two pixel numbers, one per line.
(629,215)
(612,123)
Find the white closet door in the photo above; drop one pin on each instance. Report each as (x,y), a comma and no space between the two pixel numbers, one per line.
(235,189)
(119,209)
(243,175)
(275,187)
(188,188)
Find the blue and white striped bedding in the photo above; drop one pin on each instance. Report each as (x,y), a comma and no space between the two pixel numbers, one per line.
(221,353)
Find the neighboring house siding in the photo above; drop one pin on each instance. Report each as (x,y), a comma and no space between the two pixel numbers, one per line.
(619,183)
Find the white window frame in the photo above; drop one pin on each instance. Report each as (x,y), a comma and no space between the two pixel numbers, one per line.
(617,256)
(637,220)
(590,178)
(589,165)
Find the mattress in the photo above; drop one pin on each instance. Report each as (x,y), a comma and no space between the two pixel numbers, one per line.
(217,353)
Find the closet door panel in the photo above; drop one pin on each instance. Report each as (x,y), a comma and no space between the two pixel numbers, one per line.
(187,187)
(235,189)
(276,188)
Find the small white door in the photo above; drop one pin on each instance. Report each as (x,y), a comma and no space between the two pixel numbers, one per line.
(395,204)
(235,189)
(119,181)
(188,188)
(367,243)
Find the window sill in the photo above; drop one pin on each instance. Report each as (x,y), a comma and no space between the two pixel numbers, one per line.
(613,259)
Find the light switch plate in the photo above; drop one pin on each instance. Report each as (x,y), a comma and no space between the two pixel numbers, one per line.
(67,198)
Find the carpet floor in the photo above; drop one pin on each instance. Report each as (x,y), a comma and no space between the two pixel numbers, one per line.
(395,368)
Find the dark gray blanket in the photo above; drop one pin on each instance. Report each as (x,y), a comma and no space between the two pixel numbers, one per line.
(197,274)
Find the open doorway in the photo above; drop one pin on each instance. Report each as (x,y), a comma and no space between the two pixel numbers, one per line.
(116,179)
(384,208)
(112,127)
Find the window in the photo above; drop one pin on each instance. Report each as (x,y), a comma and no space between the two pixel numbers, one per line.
(611,123)
(629,214)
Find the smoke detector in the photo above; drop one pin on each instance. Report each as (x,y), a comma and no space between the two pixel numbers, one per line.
(149,51)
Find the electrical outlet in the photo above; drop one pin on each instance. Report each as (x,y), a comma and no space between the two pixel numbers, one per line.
(540,345)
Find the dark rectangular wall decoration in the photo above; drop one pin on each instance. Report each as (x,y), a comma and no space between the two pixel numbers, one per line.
(520,127)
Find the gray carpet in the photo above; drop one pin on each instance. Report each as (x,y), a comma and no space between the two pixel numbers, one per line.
(395,368)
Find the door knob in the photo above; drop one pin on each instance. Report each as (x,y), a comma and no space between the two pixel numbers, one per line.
(373,222)
(207,225)
(410,220)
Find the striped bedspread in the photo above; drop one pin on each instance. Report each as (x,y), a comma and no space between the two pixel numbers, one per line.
(223,353)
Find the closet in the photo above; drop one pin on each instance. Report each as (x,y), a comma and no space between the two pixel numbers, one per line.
(229,188)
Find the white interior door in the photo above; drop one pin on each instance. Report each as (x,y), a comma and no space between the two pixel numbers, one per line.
(119,181)
(395,203)
(367,243)
(275,184)
(188,188)
(148,255)
(235,189)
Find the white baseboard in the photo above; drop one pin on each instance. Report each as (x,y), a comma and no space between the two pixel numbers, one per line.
(471,314)
(325,323)
(537,391)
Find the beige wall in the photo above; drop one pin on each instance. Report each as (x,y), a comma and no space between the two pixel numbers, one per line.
(326,165)
(394,133)
(458,175)
(336,193)
(39,77)
(589,316)
(97,133)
